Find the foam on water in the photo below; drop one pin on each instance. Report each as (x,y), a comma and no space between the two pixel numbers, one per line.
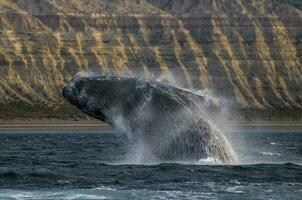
(270,153)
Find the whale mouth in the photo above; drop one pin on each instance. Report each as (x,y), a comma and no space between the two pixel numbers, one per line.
(70,92)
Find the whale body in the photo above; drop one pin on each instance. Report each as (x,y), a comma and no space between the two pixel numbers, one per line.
(167,119)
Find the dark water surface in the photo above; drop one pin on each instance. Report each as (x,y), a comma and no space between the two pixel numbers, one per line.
(85,166)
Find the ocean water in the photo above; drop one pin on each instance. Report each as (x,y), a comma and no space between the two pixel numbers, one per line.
(44,165)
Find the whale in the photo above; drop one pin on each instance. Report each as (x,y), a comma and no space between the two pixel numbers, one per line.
(168,119)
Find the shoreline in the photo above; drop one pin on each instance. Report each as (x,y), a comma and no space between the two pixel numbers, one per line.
(94,125)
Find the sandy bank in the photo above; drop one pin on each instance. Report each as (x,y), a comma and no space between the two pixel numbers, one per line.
(94,125)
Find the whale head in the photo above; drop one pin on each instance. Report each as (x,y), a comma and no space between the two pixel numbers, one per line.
(100,96)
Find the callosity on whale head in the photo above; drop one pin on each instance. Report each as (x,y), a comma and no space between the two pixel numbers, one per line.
(167,119)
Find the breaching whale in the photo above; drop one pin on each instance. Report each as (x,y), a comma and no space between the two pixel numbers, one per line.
(167,119)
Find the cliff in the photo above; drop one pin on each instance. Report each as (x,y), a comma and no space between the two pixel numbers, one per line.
(247,51)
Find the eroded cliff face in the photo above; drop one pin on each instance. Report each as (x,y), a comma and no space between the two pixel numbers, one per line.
(248,51)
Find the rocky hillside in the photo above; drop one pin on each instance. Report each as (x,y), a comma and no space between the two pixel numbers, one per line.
(246,50)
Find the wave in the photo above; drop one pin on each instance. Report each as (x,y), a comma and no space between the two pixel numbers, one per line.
(270,154)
